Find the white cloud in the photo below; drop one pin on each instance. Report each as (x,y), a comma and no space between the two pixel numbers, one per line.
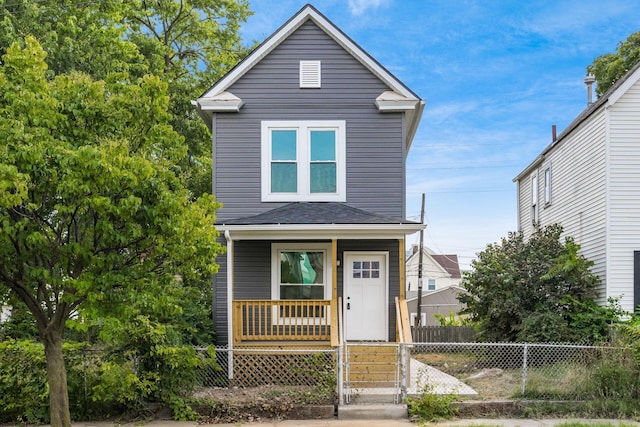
(358,7)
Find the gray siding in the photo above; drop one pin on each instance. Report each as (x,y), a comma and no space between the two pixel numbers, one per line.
(270,91)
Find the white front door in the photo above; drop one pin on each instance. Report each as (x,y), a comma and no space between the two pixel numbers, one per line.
(365,296)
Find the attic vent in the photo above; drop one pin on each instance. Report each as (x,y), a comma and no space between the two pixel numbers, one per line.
(309,74)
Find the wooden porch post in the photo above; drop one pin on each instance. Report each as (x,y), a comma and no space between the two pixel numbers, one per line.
(334,269)
(402,269)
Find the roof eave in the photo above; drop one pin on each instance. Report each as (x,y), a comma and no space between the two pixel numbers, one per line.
(319,231)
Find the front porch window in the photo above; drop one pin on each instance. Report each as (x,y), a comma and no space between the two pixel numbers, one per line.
(300,271)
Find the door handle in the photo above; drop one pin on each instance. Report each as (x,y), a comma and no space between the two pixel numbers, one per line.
(348,306)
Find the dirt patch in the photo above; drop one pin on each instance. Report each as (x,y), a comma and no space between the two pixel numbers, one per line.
(232,405)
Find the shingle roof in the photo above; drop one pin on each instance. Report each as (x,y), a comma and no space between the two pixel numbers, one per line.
(449,263)
(316,213)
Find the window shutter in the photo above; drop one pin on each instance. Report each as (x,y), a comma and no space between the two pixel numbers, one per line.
(310,74)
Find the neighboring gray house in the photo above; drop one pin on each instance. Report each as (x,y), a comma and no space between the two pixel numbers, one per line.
(440,285)
(588,180)
(442,301)
(310,138)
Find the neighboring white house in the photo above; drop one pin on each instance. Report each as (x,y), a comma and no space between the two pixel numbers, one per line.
(438,271)
(588,180)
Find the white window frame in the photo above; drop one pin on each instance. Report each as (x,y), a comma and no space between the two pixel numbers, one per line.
(303,161)
(276,248)
(434,284)
(534,198)
(548,184)
(423,318)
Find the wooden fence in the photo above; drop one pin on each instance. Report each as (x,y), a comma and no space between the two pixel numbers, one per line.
(443,334)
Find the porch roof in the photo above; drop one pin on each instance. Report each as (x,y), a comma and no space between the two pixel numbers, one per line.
(318,219)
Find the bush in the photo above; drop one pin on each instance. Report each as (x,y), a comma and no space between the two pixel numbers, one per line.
(24,395)
(430,407)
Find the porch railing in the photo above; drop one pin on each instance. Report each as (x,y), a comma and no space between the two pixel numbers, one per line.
(282,320)
(402,322)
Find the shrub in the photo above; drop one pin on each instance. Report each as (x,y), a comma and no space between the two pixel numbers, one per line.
(24,395)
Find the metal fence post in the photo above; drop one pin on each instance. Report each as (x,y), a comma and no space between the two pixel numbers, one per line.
(524,369)
(340,372)
(403,373)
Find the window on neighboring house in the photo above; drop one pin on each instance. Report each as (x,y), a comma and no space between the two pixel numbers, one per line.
(423,318)
(300,271)
(534,198)
(431,284)
(547,184)
(303,161)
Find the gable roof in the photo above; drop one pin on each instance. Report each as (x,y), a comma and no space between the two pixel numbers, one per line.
(448,263)
(610,97)
(325,219)
(399,98)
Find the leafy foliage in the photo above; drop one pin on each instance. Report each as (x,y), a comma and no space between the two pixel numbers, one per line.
(536,290)
(94,221)
(610,67)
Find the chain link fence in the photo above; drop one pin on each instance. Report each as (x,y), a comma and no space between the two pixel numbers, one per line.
(472,371)
(503,371)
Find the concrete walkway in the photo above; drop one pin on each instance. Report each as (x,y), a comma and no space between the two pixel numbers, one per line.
(437,382)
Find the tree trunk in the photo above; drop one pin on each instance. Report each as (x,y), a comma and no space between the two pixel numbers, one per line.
(57,377)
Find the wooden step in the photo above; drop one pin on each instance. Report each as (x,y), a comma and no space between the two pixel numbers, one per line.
(372,366)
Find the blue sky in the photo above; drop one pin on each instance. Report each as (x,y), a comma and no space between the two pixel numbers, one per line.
(496,75)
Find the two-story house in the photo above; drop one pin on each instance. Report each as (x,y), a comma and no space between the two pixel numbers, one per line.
(441,279)
(588,180)
(310,137)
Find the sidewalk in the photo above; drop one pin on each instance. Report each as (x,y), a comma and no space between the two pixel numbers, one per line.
(493,422)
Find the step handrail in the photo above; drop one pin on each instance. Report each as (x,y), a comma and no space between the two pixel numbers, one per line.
(402,321)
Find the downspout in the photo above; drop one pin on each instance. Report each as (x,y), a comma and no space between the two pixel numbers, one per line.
(230,336)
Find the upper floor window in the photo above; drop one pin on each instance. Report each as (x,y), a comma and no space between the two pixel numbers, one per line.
(303,161)
(431,284)
(547,184)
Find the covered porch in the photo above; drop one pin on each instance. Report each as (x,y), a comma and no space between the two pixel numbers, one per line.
(353,254)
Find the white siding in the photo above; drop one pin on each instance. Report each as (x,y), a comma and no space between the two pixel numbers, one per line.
(578,199)
(624,196)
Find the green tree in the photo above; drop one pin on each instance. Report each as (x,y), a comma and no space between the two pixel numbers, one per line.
(92,214)
(521,286)
(189,44)
(610,67)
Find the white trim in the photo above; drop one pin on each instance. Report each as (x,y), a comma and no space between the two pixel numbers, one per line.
(327,274)
(229,287)
(607,204)
(276,248)
(391,102)
(319,231)
(303,161)
(385,311)
(624,87)
(548,184)
(534,199)
(223,102)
